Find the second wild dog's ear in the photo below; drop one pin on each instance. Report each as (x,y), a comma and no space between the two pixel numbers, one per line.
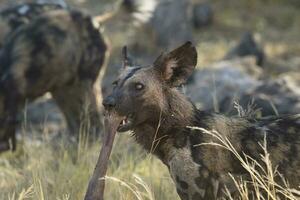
(178,65)
(126,61)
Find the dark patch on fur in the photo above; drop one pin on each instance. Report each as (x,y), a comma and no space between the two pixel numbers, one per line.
(201,182)
(32,74)
(71,81)
(197,196)
(130,74)
(196,136)
(39,35)
(161,155)
(293,153)
(248,135)
(83,74)
(15,19)
(76,16)
(95,45)
(6,61)
(180,138)
(182,195)
(182,184)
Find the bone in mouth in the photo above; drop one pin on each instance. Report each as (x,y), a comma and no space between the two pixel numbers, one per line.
(96,185)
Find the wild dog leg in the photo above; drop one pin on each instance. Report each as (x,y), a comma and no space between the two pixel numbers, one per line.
(12,102)
(95,190)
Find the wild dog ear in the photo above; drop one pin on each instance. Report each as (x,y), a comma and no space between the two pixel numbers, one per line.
(176,66)
(126,61)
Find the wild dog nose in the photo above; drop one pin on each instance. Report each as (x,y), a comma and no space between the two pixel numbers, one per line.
(109,102)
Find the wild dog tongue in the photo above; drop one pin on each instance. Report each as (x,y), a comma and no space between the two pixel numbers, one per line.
(95,190)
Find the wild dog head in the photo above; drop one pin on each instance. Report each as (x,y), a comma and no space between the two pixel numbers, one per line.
(142,95)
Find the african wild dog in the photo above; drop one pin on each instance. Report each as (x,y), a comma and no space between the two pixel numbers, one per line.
(13,17)
(59,52)
(158,114)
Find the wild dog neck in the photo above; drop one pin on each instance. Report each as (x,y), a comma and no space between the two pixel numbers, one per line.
(177,113)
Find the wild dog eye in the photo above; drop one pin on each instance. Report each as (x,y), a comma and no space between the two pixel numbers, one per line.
(139,86)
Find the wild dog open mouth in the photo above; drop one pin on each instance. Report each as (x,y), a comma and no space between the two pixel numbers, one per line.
(126,123)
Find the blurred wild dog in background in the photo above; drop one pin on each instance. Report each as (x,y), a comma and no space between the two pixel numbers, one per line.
(153,108)
(59,51)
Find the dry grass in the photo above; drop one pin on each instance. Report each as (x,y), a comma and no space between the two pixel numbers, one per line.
(45,168)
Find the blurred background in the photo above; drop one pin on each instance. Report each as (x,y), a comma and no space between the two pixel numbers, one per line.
(248,60)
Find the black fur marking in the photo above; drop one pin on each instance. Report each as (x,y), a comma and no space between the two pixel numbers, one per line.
(15,18)
(6,60)
(182,184)
(249,134)
(182,195)
(76,15)
(93,57)
(130,74)
(83,74)
(209,193)
(293,153)
(200,182)
(70,82)
(196,196)
(15,22)
(59,34)
(196,136)
(161,155)
(180,138)
(285,124)
(39,35)
(33,73)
